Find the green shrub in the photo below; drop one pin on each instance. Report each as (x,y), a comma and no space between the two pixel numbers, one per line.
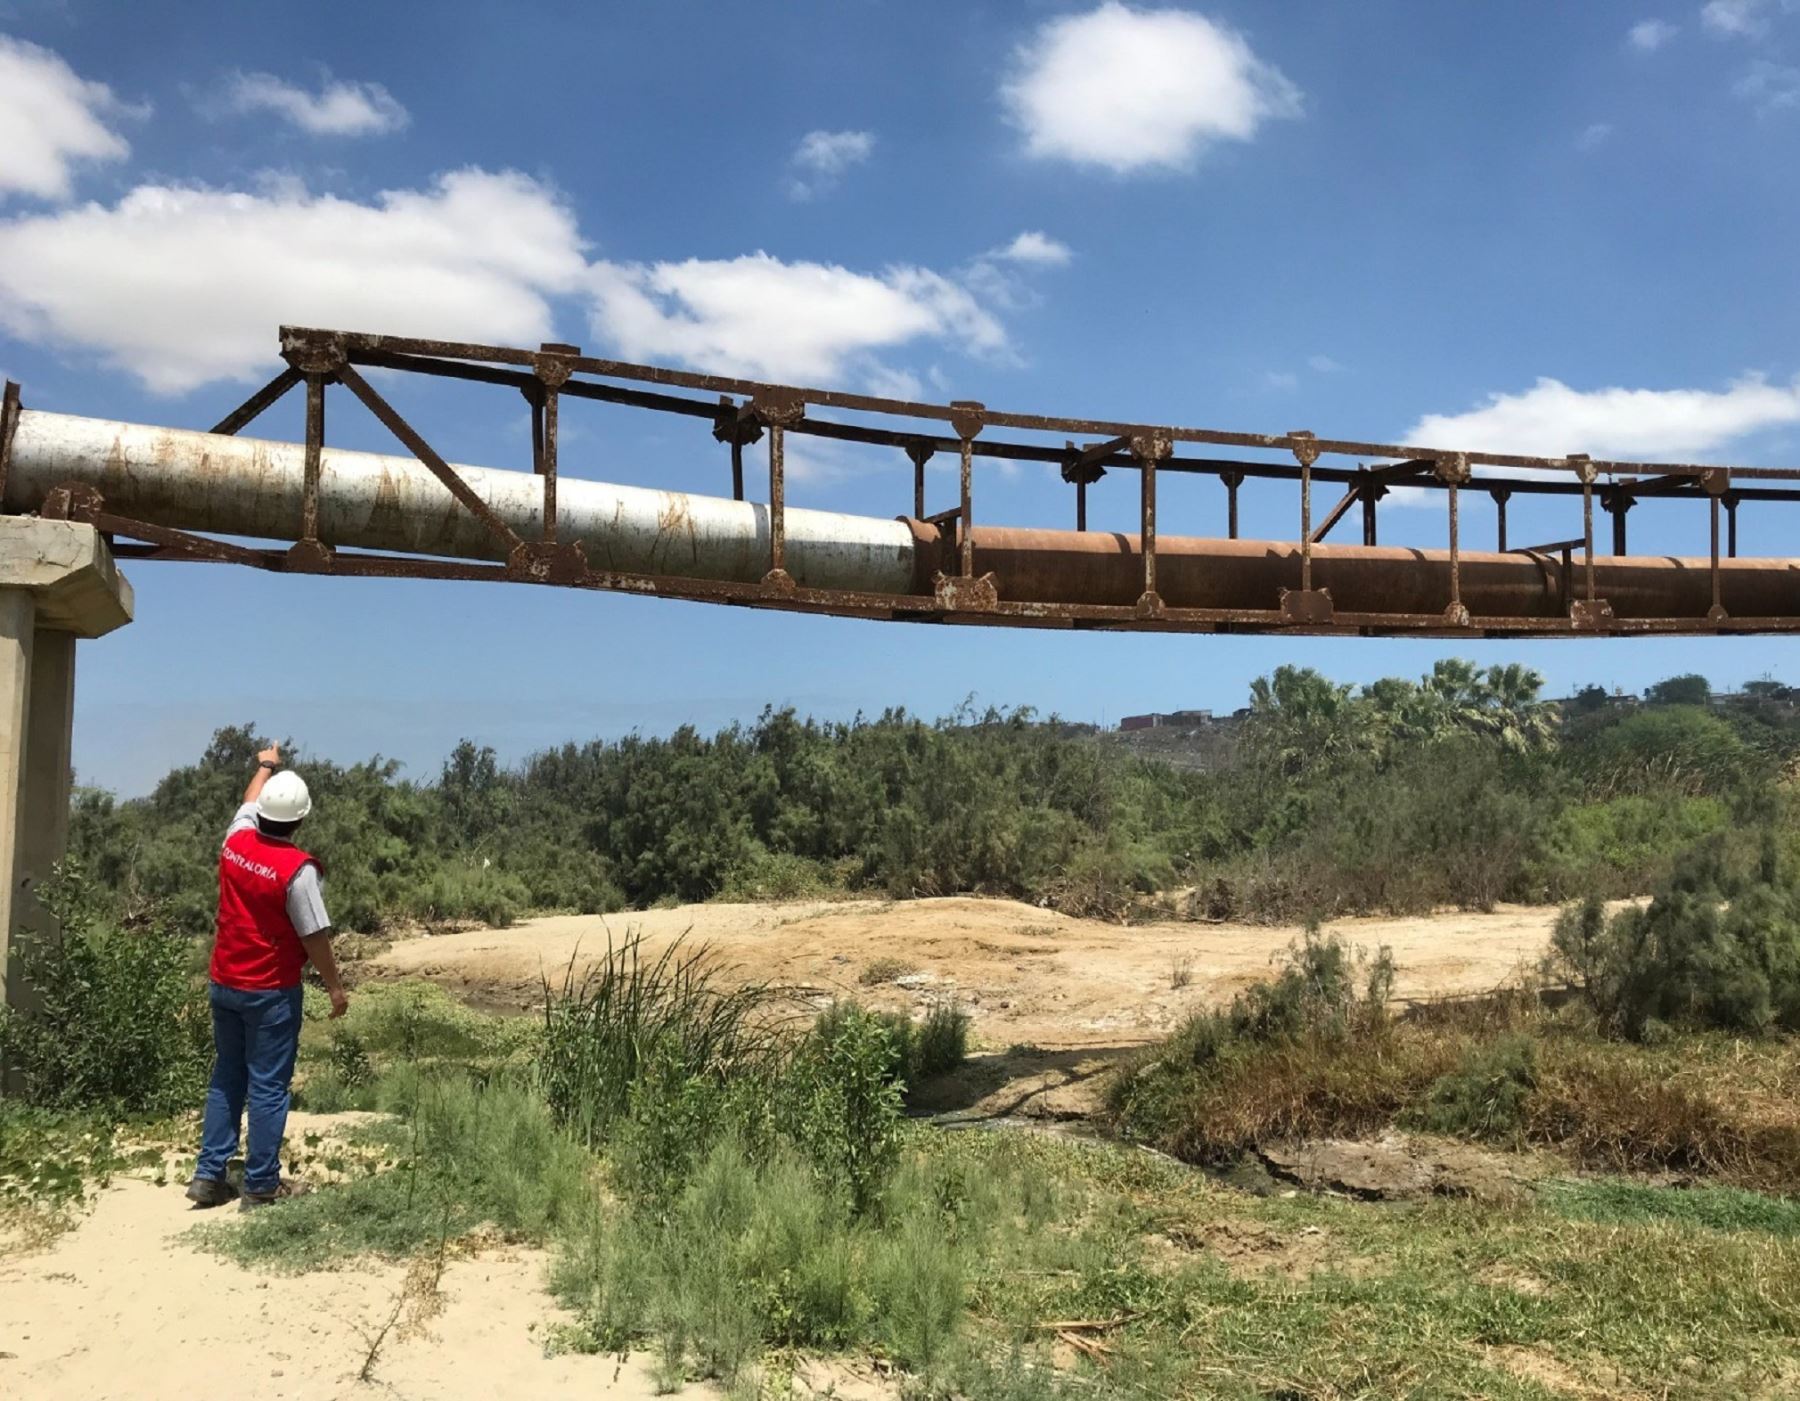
(110,1017)
(777,875)
(1485,1096)
(1710,950)
(847,1114)
(1302,1045)
(938,1044)
(1622,845)
(920,1286)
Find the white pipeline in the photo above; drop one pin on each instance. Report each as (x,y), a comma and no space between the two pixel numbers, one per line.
(252,487)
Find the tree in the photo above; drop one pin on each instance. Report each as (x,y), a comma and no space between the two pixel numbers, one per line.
(1299,720)
(1690,688)
(1590,698)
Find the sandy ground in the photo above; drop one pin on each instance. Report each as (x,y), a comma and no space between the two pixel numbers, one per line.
(1054,1000)
(1026,975)
(123,1305)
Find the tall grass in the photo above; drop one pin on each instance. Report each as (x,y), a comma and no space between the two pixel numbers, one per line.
(603,1030)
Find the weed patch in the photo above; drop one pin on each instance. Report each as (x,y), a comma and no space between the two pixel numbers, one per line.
(112,1018)
(473,1155)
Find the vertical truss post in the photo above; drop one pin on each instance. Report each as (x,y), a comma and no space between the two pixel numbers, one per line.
(1617,502)
(1715,481)
(1453,471)
(1372,491)
(737,428)
(968,417)
(1304,605)
(1306,454)
(1591,612)
(778,410)
(536,398)
(315,449)
(920,453)
(1232,480)
(552,367)
(316,360)
(777,502)
(1501,496)
(1149,448)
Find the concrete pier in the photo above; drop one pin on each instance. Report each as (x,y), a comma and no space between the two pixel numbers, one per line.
(58,584)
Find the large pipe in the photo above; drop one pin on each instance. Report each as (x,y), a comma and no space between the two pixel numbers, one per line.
(250,487)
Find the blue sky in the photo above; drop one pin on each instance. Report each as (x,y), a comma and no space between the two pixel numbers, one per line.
(1533,226)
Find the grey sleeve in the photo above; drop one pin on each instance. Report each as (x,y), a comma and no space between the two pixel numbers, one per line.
(306,903)
(244,818)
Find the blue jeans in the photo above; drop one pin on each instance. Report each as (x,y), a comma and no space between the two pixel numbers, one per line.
(256,1036)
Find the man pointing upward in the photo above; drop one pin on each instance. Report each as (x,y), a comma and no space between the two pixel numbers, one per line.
(271,923)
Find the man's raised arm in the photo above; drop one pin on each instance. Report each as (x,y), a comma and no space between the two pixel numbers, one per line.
(267,763)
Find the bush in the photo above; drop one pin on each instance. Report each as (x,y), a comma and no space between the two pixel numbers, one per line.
(110,1018)
(1485,1096)
(1710,950)
(847,1118)
(1622,845)
(1287,1054)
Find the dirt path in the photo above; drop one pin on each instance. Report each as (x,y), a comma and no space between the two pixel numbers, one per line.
(1026,975)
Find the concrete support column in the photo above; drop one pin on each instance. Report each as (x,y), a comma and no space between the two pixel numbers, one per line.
(58,583)
(48,776)
(18,635)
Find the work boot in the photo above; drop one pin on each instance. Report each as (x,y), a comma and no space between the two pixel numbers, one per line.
(206,1192)
(287,1188)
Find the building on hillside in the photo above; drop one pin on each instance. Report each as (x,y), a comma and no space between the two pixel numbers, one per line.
(1174,719)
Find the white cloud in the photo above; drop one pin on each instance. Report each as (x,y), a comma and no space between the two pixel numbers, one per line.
(1593,137)
(1280,381)
(182,285)
(822,157)
(891,383)
(51,120)
(1135,90)
(1771,86)
(1324,365)
(1035,247)
(1649,35)
(1552,420)
(1735,18)
(337,109)
(801,321)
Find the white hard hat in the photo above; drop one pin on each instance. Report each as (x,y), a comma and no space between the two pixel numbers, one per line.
(284,798)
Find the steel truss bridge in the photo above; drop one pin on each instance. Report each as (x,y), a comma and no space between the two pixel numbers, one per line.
(171,494)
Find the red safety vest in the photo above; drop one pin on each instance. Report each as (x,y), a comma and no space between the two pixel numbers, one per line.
(256,946)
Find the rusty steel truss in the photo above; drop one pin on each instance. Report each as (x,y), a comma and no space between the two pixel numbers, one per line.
(743,412)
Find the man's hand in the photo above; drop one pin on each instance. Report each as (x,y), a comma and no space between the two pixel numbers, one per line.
(340,1003)
(266,763)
